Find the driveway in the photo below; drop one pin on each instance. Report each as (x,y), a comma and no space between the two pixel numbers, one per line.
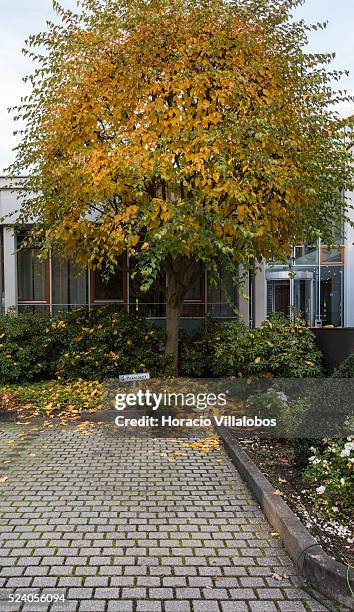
(112,521)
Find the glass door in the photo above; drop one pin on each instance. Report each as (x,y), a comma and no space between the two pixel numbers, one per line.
(278,296)
(291,294)
(303,292)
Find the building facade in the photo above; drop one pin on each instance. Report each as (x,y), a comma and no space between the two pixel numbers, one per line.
(320,285)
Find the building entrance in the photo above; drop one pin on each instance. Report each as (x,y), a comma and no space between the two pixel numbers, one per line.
(294,295)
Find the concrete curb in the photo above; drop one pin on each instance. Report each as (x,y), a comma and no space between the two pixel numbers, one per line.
(328,576)
(8,416)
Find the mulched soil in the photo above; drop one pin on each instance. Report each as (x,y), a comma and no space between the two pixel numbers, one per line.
(276,459)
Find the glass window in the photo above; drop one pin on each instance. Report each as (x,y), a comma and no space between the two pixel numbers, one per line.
(112,288)
(69,284)
(108,290)
(305,255)
(31,276)
(193,305)
(331,295)
(151,303)
(221,294)
(335,255)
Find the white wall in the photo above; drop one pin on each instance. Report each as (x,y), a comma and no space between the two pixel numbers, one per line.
(349,271)
(10,202)
(10,268)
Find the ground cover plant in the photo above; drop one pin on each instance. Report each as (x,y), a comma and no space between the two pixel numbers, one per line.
(328,518)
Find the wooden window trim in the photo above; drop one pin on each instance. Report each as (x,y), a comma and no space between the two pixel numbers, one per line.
(339,248)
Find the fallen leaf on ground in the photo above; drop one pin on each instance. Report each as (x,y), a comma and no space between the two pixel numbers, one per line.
(280,576)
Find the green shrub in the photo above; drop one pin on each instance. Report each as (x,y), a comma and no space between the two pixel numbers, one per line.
(346,369)
(278,348)
(24,354)
(230,349)
(195,351)
(103,344)
(331,470)
(81,344)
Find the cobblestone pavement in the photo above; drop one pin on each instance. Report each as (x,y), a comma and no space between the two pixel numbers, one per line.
(121,523)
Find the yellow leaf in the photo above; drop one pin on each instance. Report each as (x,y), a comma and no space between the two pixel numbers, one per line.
(257,360)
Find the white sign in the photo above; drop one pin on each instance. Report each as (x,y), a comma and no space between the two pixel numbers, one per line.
(134,377)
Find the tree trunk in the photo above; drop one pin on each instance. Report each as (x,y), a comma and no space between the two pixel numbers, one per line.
(173,314)
(177,282)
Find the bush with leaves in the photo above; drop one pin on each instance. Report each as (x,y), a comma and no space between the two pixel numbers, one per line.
(278,348)
(81,344)
(24,354)
(195,351)
(102,343)
(331,470)
(346,368)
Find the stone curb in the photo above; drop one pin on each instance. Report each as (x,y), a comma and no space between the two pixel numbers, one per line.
(328,576)
(8,416)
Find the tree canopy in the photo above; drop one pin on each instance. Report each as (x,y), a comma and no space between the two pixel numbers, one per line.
(193,129)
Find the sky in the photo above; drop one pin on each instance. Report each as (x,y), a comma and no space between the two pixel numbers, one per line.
(19,18)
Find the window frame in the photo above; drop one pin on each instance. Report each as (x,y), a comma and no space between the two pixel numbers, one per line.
(94,301)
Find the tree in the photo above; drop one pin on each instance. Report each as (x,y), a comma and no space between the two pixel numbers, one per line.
(180,130)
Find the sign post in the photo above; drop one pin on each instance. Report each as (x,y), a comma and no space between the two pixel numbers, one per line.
(134,378)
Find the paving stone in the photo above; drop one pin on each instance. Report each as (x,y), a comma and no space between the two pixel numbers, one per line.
(262,606)
(149,606)
(120,606)
(88,606)
(178,606)
(234,606)
(205,606)
(80,593)
(111,521)
(292,606)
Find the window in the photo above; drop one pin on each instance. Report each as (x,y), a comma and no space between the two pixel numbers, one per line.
(194,300)
(331,295)
(330,256)
(222,296)
(32,280)
(305,255)
(151,303)
(69,285)
(112,289)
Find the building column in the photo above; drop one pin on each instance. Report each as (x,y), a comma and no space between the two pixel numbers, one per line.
(259,297)
(349,270)
(10,268)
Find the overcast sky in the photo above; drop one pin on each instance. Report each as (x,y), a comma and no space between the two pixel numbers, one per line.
(19,18)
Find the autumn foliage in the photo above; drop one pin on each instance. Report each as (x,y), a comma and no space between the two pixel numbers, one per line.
(180,130)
